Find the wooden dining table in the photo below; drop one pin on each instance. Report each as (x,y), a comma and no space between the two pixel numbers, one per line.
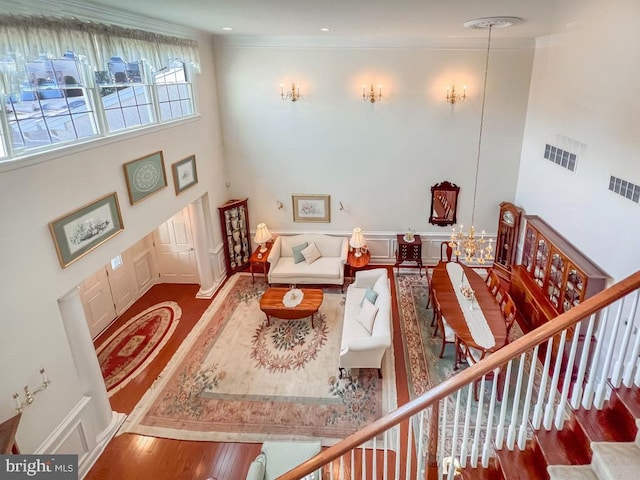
(452,308)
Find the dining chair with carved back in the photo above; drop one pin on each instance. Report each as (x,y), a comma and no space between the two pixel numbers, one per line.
(449,336)
(472,356)
(446,252)
(509,311)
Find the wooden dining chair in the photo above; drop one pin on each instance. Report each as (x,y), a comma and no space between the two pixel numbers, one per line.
(448,334)
(472,356)
(509,311)
(446,251)
(493,282)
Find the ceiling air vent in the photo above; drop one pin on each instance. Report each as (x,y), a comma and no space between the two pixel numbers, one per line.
(625,189)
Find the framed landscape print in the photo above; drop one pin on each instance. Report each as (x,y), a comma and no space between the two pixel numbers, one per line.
(311,208)
(145,176)
(77,233)
(185,174)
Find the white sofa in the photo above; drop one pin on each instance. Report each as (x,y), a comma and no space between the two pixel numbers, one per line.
(359,348)
(328,269)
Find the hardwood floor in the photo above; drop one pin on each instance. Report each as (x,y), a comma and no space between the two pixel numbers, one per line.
(138,457)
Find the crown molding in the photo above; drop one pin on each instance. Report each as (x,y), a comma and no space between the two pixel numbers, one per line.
(88,11)
(229,41)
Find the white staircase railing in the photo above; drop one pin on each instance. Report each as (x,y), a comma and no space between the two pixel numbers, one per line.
(531,383)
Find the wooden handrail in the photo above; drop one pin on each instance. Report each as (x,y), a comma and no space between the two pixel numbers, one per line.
(467,376)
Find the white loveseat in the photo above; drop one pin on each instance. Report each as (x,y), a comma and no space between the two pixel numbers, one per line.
(327,269)
(359,348)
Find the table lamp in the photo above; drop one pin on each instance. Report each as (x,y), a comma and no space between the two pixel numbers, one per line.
(262,236)
(357,241)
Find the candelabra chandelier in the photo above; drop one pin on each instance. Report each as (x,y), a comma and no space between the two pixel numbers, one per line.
(466,244)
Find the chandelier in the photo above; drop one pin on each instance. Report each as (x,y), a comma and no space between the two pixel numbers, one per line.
(466,244)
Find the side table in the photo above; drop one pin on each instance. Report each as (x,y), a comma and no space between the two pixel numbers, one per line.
(409,252)
(260,259)
(357,262)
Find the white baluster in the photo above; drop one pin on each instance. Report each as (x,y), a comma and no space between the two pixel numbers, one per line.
(635,352)
(397,473)
(601,388)
(568,374)
(374,470)
(385,463)
(511,435)
(409,449)
(576,392)
(454,439)
(537,411)
(553,388)
(353,462)
(331,470)
(363,472)
(486,450)
(589,389)
(419,456)
(465,432)
(504,406)
(478,425)
(341,467)
(522,432)
(616,376)
(443,432)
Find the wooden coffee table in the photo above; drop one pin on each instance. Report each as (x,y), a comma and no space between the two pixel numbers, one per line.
(271,304)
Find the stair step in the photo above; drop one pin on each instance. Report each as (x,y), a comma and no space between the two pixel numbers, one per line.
(569,446)
(631,399)
(492,472)
(614,423)
(571,472)
(616,460)
(523,465)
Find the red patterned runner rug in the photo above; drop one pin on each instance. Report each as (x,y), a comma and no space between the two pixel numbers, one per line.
(236,379)
(130,349)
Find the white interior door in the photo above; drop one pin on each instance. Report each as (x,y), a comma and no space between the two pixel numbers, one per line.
(99,308)
(122,282)
(175,254)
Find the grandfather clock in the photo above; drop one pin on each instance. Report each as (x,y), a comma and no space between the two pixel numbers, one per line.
(507,239)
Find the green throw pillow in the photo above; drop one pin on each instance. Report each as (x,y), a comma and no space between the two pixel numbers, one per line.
(297,252)
(370,295)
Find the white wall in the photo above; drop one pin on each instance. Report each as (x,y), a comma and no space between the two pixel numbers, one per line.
(32,279)
(583,87)
(379,160)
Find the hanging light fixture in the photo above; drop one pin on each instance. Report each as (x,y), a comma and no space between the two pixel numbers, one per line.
(466,244)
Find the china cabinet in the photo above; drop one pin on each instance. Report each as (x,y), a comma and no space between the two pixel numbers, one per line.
(234,224)
(507,239)
(553,277)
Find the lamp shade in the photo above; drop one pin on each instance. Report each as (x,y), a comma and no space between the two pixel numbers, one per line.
(357,239)
(262,234)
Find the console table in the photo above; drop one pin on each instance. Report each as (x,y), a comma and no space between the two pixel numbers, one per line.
(409,252)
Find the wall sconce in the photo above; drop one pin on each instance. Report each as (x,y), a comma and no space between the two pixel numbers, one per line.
(29,397)
(293,95)
(340,206)
(453,97)
(279,205)
(371,96)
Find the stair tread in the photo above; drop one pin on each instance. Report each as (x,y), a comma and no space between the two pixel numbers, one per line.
(616,460)
(571,472)
(613,423)
(523,465)
(631,398)
(569,446)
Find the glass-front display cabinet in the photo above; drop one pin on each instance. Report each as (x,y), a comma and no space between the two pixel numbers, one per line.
(234,224)
(554,276)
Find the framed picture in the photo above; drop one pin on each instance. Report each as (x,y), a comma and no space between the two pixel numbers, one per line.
(185,174)
(77,233)
(145,176)
(311,208)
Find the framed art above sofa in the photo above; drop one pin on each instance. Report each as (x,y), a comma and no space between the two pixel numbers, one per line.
(311,208)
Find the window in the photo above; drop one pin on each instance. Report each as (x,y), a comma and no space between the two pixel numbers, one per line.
(175,97)
(48,104)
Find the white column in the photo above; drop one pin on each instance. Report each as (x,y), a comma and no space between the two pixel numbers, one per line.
(85,358)
(199,231)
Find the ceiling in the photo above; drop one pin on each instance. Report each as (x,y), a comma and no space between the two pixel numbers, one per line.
(393,21)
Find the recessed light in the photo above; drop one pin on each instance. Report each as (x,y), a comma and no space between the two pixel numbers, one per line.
(324,29)
(228,29)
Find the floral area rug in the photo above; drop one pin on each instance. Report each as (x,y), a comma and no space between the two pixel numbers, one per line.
(134,345)
(237,379)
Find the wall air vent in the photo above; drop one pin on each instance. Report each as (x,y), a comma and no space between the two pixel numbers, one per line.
(626,189)
(565,152)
